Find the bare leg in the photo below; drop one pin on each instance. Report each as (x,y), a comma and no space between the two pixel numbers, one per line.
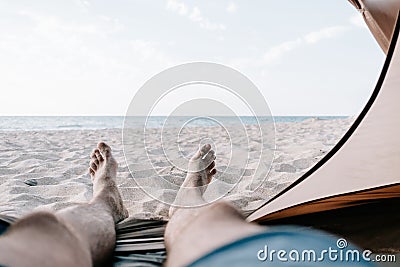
(83,235)
(207,227)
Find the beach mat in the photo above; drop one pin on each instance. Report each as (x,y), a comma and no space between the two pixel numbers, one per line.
(5,222)
(140,243)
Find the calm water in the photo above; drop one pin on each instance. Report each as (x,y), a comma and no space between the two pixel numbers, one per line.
(42,123)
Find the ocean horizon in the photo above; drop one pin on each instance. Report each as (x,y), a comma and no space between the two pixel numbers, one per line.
(46,123)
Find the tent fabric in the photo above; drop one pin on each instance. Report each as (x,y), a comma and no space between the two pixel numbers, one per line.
(340,201)
(368,156)
(365,165)
(380,17)
(370,224)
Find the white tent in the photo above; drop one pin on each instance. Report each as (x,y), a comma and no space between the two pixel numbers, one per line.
(358,182)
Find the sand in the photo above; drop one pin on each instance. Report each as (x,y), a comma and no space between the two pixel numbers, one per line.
(48,170)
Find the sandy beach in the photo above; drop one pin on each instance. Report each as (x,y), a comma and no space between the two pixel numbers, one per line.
(49,169)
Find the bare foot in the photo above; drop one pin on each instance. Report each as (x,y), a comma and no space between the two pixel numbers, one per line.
(103,171)
(200,172)
(201,168)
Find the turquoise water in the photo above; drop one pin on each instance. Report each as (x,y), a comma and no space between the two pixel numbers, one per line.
(44,123)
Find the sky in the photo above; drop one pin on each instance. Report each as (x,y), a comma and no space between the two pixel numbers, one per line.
(89,57)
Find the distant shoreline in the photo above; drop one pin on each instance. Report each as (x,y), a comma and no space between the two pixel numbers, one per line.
(45,123)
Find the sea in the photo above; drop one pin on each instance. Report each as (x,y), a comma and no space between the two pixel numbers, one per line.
(54,123)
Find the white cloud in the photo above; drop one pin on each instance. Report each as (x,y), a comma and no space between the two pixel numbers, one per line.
(276,52)
(232,8)
(358,21)
(325,33)
(55,28)
(147,50)
(69,60)
(48,24)
(177,6)
(73,39)
(194,14)
(83,5)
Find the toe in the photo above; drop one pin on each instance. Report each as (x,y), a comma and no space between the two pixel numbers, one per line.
(105,150)
(210,175)
(91,171)
(96,161)
(213,172)
(93,155)
(210,156)
(98,155)
(205,149)
(93,166)
(211,166)
(202,151)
